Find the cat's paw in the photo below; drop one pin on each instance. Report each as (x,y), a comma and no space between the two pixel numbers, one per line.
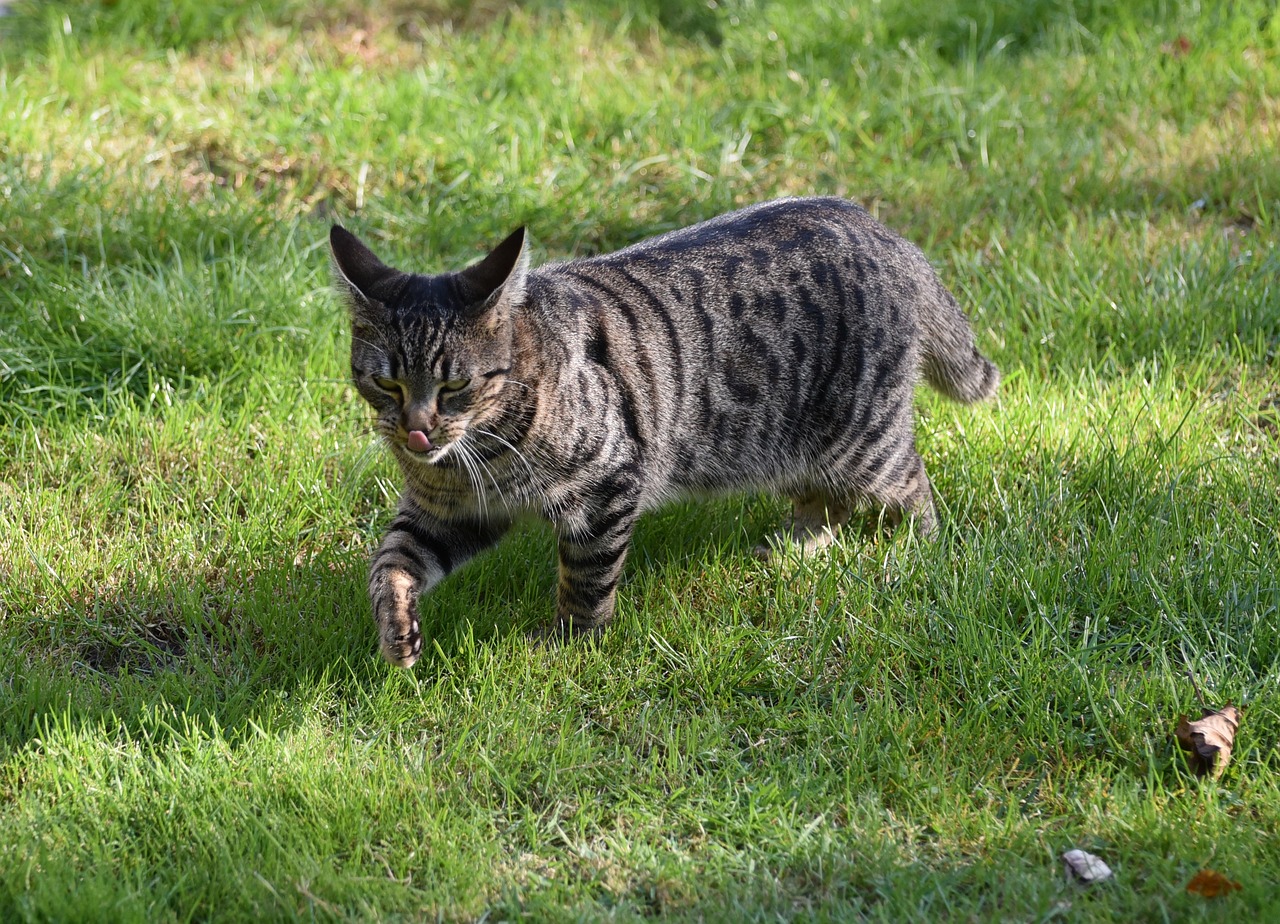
(547,635)
(794,543)
(402,643)
(559,631)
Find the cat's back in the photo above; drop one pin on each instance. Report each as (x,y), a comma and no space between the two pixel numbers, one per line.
(797,257)
(740,343)
(762,234)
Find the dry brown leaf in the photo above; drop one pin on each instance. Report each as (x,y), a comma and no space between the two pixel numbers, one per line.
(1208,740)
(1085,867)
(1211,884)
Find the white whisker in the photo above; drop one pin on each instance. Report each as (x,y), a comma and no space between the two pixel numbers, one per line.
(518,454)
(477,486)
(372,346)
(488,470)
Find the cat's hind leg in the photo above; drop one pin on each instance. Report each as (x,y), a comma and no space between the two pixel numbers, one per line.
(905,492)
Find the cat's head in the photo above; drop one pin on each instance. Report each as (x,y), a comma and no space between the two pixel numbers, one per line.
(431,354)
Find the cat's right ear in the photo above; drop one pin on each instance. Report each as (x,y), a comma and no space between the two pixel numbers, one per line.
(500,277)
(357,270)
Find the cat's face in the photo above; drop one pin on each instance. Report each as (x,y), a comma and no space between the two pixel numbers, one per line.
(431,354)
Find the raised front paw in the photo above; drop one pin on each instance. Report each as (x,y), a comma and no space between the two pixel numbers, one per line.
(394,597)
(402,641)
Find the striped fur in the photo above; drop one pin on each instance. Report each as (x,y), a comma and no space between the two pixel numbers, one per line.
(773,348)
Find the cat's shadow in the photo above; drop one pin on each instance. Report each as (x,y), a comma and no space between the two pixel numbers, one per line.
(244,647)
(511,589)
(230,651)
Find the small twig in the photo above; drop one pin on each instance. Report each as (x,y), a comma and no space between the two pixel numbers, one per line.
(1196,687)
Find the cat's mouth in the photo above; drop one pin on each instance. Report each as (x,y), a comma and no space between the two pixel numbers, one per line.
(422,448)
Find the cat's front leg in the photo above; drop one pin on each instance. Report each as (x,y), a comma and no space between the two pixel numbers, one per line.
(592,544)
(415,555)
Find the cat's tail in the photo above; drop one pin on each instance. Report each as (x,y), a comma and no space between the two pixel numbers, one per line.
(952,363)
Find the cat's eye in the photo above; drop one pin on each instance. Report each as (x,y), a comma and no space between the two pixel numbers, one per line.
(455,385)
(390,386)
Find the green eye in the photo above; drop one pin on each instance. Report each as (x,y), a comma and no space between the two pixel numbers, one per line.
(390,386)
(455,385)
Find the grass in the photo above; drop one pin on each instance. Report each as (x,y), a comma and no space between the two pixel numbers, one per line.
(194,722)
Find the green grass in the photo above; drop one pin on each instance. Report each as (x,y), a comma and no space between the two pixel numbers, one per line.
(194,720)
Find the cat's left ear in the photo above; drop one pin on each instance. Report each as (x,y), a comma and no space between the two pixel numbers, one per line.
(498,281)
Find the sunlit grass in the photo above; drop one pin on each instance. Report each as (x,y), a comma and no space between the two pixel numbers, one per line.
(194,721)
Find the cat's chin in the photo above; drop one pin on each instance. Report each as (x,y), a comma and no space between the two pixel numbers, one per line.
(428,458)
(432,456)
(425,458)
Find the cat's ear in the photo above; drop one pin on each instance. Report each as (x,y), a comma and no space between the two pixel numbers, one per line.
(357,270)
(499,279)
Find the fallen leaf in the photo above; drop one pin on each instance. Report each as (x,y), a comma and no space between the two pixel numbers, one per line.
(1211,884)
(1208,740)
(1085,867)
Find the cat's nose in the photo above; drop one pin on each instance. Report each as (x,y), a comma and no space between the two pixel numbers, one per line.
(418,417)
(418,441)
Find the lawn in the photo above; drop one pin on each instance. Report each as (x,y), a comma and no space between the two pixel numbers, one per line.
(195,723)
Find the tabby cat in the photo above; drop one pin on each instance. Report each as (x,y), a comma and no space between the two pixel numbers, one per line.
(777,347)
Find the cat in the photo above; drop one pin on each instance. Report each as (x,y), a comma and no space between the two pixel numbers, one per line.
(777,347)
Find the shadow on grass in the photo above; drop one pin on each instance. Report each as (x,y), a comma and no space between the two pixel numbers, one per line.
(227,653)
(231,651)
(511,590)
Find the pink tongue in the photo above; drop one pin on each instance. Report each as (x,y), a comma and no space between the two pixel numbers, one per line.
(418,441)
